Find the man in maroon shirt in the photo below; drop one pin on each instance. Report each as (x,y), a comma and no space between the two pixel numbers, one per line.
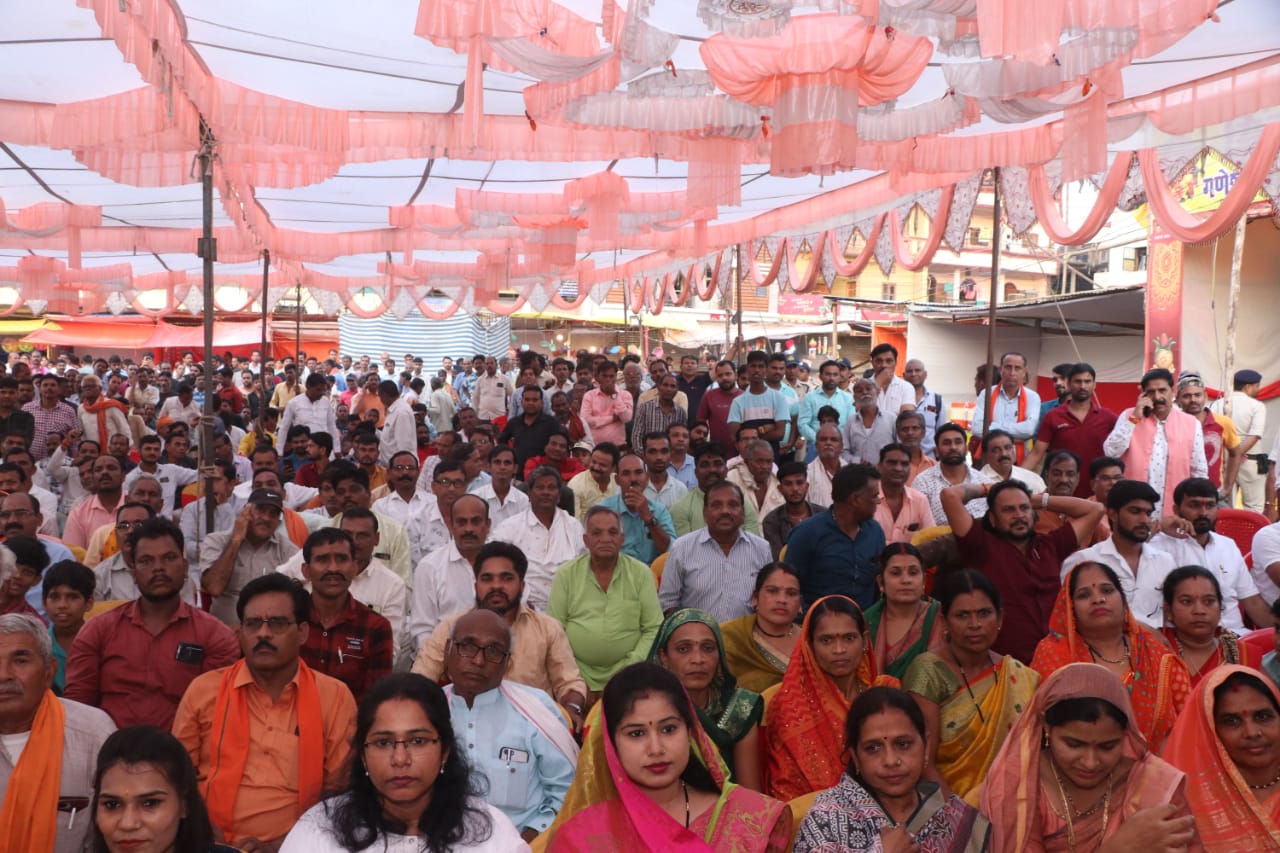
(1025,567)
(716,402)
(1079,425)
(135,661)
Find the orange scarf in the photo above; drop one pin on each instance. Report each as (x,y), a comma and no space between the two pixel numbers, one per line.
(231,729)
(1158,680)
(29,814)
(100,408)
(804,732)
(1228,815)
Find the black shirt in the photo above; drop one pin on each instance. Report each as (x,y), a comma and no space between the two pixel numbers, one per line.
(529,440)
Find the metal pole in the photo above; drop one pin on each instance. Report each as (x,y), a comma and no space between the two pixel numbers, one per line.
(737,284)
(990,403)
(297,330)
(207,249)
(266,268)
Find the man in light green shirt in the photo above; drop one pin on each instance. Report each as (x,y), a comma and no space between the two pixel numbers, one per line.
(607,602)
(593,485)
(709,467)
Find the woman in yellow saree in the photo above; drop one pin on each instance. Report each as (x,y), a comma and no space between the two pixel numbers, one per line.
(969,695)
(758,646)
(650,781)
(1227,740)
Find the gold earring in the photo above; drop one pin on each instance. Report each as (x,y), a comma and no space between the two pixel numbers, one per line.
(1044,739)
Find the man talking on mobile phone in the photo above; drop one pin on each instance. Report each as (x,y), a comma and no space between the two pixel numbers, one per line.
(1157,441)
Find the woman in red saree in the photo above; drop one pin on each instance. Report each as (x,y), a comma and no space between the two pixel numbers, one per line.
(1076,776)
(804,719)
(650,780)
(1227,740)
(1091,623)
(1193,607)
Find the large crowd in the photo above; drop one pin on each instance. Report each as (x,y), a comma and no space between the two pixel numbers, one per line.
(592,605)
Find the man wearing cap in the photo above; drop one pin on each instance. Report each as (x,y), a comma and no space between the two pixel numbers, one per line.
(1221,441)
(1250,418)
(256,545)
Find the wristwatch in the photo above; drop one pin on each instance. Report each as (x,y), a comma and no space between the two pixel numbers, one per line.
(652,522)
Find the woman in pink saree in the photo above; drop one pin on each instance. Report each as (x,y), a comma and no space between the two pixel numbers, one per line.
(650,780)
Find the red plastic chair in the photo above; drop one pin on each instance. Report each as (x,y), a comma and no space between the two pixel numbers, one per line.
(1239,525)
(1261,640)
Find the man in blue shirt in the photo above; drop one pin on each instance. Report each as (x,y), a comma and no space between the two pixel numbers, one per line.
(646,524)
(513,734)
(835,552)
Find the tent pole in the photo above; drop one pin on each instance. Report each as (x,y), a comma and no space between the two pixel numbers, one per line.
(737,298)
(1233,299)
(297,330)
(266,354)
(207,249)
(992,297)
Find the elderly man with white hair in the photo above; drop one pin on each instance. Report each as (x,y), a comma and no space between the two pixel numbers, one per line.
(42,736)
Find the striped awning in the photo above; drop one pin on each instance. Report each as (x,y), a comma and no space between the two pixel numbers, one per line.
(430,340)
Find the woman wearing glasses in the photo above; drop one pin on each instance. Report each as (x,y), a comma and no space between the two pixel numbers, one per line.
(410,788)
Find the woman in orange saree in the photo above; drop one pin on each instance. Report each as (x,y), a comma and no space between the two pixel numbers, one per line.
(650,780)
(1076,776)
(1227,740)
(1091,623)
(805,715)
(1193,609)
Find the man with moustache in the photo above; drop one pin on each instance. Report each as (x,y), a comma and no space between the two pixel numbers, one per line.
(99,508)
(951,470)
(540,653)
(256,545)
(267,734)
(870,427)
(136,661)
(545,532)
(20,515)
(1140,567)
(716,403)
(1158,442)
(443,580)
(347,640)
(1079,424)
(513,735)
(1221,440)
(1190,540)
(1024,566)
(828,395)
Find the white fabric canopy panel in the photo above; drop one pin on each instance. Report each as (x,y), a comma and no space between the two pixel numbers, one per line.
(412,146)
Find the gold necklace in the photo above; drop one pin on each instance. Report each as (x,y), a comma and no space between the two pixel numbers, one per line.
(1070,806)
(1265,786)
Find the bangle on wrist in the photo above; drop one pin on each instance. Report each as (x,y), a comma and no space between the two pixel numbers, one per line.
(1044,500)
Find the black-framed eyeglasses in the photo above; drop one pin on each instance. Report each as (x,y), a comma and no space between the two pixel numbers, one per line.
(276,624)
(493,653)
(413,745)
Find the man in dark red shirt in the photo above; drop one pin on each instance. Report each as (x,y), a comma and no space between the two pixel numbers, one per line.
(347,640)
(135,661)
(1025,567)
(1079,425)
(716,402)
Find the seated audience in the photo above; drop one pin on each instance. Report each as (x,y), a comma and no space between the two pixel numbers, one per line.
(408,786)
(835,551)
(967,716)
(882,798)
(606,602)
(67,590)
(1193,611)
(22,563)
(1040,794)
(758,646)
(547,534)
(48,746)
(793,486)
(540,653)
(1227,741)
(513,735)
(805,714)
(347,640)
(689,644)
(256,545)
(649,778)
(146,797)
(646,524)
(904,621)
(267,734)
(1091,622)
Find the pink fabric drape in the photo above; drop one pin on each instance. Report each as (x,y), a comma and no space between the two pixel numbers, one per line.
(1047,207)
(900,252)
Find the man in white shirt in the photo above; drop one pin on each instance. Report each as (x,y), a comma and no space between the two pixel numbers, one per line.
(548,535)
(893,395)
(311,409)
(444,580)
(1266,562)
(1250,419)
(171,477)
(504,500)
(492,392)
(409,505)
(399,430)
(1140,566)
(822,469)
(998,451)
(1189,539)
